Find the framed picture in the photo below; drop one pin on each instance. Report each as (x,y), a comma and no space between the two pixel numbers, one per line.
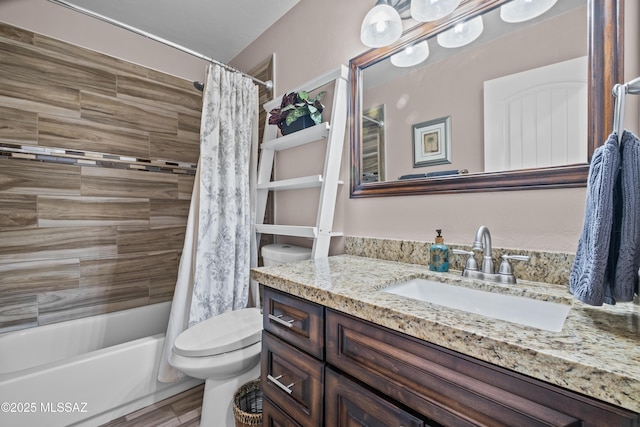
(432,142)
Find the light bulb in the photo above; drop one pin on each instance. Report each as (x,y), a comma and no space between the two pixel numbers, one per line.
(462,33)
(432,10)
(411,55)
(523,10)
(381,26)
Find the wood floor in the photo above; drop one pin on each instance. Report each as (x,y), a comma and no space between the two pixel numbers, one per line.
(180,410)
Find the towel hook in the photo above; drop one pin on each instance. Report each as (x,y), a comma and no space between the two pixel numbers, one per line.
(619,92)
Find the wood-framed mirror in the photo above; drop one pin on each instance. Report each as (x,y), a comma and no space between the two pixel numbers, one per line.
(604,61)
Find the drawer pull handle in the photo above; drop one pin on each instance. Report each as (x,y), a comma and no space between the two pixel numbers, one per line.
(278,319)
(279,384)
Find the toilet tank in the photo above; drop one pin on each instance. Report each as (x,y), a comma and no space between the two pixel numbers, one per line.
(281,253)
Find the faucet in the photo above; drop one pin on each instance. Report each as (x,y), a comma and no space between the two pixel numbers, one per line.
(482,242)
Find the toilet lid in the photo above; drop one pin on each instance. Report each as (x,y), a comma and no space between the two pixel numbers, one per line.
(221,334)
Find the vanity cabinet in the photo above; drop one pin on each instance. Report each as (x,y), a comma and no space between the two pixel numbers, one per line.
(292,365)
(452,388)
(321,367)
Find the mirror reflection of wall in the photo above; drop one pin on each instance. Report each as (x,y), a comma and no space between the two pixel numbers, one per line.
(373,149)
(450,82)
(536,118)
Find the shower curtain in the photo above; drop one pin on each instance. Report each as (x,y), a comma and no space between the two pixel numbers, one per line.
(220,245)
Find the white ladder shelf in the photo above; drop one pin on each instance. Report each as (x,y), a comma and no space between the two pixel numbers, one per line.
(334,132)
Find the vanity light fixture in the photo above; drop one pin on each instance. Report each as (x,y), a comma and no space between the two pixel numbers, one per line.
(432,10)
(462,33)
(523,10)
(411,55)
(382,25)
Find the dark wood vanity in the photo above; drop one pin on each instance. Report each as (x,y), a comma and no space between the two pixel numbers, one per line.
(332,369)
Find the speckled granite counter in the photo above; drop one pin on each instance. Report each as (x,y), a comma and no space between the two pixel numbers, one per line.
(596,353)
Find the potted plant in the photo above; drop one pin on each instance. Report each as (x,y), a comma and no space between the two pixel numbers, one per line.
(297,111)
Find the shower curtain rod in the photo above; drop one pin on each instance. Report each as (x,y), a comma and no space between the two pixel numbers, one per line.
(268,84)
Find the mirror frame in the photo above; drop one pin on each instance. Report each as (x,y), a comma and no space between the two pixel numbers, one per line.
(605,57)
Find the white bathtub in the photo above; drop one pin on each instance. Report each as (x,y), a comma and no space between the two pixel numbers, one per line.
(84,372)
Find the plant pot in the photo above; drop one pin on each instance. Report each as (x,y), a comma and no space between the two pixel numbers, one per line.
(300,123)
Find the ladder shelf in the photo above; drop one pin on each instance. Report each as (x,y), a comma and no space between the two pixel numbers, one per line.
(333,131)
(295,139)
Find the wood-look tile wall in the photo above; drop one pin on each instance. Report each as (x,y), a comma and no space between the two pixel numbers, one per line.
(78,240)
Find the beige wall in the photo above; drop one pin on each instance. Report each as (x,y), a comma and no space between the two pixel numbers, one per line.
(44,17)
(317,36)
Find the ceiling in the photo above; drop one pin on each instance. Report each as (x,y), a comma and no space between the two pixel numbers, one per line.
(219,29)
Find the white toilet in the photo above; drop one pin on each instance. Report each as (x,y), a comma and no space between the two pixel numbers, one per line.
(281,253)
(225,350)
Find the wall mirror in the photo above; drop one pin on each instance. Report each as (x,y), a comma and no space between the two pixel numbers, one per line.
(439,127)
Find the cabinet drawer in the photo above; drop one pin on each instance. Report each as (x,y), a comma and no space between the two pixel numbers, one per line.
(348,404)
(272,416)
(295,320)
(293,380)
(454,389)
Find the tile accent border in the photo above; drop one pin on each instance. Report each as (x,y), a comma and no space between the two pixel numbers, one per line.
(91,158)
(547,267)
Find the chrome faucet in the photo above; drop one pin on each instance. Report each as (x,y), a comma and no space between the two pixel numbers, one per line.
(483,240)
(482,243)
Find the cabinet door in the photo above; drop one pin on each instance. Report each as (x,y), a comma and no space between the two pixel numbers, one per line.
(454,389)
(296,321)
(347,404)
(272,416)
(293,380)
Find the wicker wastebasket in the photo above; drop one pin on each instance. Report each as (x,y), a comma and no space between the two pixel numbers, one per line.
(247,404)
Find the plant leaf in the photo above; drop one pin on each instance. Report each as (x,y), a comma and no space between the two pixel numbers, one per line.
(319,96)
(294,115)
(317,117)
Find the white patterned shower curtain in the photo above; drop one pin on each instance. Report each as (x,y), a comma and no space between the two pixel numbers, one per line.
(220,246)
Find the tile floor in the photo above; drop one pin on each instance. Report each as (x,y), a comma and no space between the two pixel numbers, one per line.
(181,410)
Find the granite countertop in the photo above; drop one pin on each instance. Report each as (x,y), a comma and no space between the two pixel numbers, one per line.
(597,353)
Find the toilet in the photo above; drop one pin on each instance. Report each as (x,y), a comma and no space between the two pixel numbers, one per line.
(225,350)
(281,253)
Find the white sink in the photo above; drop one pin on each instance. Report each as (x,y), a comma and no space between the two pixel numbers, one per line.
(549,316)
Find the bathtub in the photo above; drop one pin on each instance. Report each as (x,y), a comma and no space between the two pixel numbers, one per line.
(84,372)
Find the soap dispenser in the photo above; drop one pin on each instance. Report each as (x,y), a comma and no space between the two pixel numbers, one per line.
(439,254)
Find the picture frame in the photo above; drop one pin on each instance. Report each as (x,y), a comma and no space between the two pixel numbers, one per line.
(432,142)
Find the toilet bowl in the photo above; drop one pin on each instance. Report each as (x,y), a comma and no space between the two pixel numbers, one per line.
(225,352)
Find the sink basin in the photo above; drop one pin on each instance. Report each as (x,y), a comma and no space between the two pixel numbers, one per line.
(545,315)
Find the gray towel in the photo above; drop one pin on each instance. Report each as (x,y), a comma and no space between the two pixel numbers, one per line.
(622,282)
(586,281)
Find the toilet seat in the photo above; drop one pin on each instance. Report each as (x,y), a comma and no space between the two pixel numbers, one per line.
(224,333)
